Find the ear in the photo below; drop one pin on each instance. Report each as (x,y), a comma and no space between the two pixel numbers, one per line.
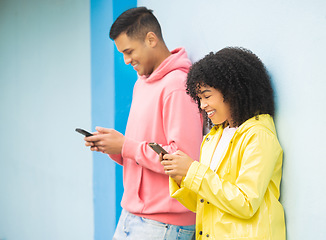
(151,39)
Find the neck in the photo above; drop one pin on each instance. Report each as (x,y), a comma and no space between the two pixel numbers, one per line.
(162,54)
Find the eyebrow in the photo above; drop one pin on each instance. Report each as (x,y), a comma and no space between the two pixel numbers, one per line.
(206,90)
(126,50)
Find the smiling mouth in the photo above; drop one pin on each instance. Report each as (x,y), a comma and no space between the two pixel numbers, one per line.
(210,113)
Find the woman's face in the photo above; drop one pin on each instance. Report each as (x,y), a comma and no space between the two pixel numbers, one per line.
(212,102)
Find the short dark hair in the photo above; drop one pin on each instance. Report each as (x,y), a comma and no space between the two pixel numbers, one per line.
(242,79)
(136,23)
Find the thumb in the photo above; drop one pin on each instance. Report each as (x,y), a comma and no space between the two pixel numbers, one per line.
(102,130)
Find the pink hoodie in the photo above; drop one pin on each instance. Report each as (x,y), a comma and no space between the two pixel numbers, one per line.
(161,112)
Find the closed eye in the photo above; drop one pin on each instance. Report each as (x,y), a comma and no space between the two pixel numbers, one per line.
(129,52)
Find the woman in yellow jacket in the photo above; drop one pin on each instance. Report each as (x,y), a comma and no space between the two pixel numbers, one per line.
(235,188)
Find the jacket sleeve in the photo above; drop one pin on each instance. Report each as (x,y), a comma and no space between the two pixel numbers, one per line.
(182,126)
(255,167)
(185,196)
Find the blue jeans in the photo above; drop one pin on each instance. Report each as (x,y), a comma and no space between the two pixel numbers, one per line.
(133,227)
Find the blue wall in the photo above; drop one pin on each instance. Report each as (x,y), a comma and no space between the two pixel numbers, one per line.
(110,108)
(125,77)
(103,98)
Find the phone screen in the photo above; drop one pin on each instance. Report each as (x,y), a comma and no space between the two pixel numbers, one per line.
(157,148)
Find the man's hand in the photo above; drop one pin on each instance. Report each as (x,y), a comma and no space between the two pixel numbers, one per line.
(105,140)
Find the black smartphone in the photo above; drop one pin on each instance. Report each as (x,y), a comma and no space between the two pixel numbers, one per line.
(157,148)
(84,132)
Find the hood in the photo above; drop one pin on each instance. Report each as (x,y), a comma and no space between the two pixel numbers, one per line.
(177,61)
(263,120)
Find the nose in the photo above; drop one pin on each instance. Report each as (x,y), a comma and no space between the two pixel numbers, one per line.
(203,104)
(127,59)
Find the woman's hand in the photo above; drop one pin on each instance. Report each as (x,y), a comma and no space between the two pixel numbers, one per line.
(176,165)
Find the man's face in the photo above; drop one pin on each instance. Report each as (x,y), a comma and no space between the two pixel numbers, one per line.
(136,52)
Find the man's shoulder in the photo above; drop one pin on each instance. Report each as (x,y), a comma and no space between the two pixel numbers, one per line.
(176,76)
(174,81)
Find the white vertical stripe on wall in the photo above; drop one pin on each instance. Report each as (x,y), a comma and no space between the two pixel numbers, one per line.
(290,37)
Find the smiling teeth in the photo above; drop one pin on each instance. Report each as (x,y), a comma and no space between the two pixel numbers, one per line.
(210,113)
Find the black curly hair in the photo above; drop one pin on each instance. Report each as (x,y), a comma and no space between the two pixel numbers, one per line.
(242,79)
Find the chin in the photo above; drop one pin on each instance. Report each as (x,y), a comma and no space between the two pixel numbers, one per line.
(217,122)
(140,73)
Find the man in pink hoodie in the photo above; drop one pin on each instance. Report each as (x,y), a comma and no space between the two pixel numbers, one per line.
(161,112)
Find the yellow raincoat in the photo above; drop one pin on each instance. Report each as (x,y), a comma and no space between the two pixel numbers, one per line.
(239,200)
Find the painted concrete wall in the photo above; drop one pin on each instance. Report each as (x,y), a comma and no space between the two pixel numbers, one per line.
(46,180)
(290,37)
(102,72)
(45,170)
